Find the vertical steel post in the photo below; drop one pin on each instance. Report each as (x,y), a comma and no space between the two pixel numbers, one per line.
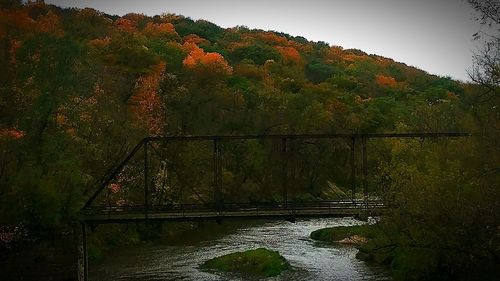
(284,161)
(214,156)
(146,179)
(217,173)
(83,262)
(365,175)
(353,169)
(80,256)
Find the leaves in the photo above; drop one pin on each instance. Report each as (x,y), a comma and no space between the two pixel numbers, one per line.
(385,81)
(82,87)
(210,61)
(146,104)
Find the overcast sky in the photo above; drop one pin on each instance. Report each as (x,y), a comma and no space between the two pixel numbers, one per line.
(434,35)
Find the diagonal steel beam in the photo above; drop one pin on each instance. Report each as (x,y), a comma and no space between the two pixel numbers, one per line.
(114,173)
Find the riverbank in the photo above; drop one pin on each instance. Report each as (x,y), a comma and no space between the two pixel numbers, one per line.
(405,261)
(372,243)
(355,234)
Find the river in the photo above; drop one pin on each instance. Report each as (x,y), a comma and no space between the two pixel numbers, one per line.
(310,260)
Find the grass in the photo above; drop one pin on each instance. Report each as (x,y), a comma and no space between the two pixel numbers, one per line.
(258,263)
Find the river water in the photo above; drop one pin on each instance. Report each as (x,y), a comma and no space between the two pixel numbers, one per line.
(310,260)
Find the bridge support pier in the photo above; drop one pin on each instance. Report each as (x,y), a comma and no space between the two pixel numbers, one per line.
(80,231)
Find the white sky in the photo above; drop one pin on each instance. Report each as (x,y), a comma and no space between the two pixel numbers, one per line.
(434,35)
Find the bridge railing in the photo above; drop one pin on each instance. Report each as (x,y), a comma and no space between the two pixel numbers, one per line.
(141,172)
(228,207)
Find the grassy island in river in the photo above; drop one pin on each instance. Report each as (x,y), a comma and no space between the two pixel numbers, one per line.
(259,262)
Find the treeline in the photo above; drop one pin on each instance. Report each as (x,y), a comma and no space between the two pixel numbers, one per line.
(79,88)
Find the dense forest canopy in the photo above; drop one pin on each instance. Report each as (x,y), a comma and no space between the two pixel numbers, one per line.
(79,88)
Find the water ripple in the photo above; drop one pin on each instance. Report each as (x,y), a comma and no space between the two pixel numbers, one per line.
(310,260)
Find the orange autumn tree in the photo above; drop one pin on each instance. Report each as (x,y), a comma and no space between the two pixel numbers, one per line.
(335,54)
(15,20)
(272,39)
(125,25)
(389,82)
(290,55)
(386,81)
(160,29)
(146,105)
(195,39)
(199,59)
(383,62)
(353,57)
(50,23)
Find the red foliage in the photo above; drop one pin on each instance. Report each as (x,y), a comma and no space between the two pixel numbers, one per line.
(11,133)
(115,187)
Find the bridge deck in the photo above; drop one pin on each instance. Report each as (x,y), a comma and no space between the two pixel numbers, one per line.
(232,211)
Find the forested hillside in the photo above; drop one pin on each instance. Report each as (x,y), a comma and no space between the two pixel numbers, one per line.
(79,88)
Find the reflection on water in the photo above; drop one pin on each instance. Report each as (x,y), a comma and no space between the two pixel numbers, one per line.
(310,260)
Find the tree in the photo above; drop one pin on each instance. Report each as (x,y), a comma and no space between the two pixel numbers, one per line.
(317,71)
(146,103)
(486,67)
